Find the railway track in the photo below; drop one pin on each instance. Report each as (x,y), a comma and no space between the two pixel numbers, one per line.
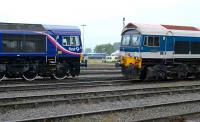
(82,97)
(97,71)
(14,103)
(98,92)
(63,85)
(99,67)
(94,78)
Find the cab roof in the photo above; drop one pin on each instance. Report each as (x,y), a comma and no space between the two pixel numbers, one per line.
(62,29)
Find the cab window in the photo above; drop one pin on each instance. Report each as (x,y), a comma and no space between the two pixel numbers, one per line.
(134,40)
(74,41)
(70,41)
(66,41)
(152,41)
(126,40)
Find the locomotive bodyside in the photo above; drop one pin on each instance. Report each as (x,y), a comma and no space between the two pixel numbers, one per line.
(160,51)
(29,50)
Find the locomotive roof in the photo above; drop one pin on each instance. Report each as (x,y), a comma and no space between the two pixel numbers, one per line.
(174,30)
(62,29)
(21,26)
(37,27)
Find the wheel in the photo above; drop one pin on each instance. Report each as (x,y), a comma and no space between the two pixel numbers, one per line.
(29,75)
(182,71)
(60,73)
(160,72)
(147,74)
(197,74)
(2,76)
(125,72)
(143,74)
(157,72)
(130,72)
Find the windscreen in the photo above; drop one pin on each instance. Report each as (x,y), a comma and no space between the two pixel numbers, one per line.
(130,38)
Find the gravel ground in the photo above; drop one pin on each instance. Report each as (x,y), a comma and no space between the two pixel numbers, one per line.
(137,114)
(68,80)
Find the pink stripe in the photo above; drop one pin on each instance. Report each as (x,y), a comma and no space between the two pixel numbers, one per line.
(56,44)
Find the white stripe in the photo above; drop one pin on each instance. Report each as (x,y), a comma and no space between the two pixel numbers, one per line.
(157,55)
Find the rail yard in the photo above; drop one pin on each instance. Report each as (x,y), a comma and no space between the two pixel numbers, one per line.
(100,61)
(99,94)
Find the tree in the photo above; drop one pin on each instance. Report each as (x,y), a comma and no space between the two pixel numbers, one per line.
(104,48)
(88,50)
(116,46)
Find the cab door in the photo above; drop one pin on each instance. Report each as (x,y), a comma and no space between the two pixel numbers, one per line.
(152,47)
(169,47)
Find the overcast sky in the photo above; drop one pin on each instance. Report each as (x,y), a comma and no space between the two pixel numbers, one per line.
(103,18)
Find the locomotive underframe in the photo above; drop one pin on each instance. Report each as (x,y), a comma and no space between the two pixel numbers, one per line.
(30,67)
(159,69)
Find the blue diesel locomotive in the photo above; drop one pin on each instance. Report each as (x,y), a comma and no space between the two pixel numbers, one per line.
(158,52)
(29,50)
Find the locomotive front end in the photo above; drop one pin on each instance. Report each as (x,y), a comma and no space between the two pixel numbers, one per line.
(131,61)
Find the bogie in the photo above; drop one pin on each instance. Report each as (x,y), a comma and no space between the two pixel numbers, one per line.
(30,72)
(162,72)
(61,72)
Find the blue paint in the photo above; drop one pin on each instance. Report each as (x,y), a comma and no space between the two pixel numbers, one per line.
(166,44)
(54,31)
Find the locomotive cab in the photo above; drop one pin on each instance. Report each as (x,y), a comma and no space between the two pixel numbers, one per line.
(130,42)
(130,53)
(68,57)
(71,43)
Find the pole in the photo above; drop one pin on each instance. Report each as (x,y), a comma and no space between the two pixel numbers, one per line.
(124,22)
(83,45)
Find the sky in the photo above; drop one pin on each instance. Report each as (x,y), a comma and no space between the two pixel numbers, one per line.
(103,18)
